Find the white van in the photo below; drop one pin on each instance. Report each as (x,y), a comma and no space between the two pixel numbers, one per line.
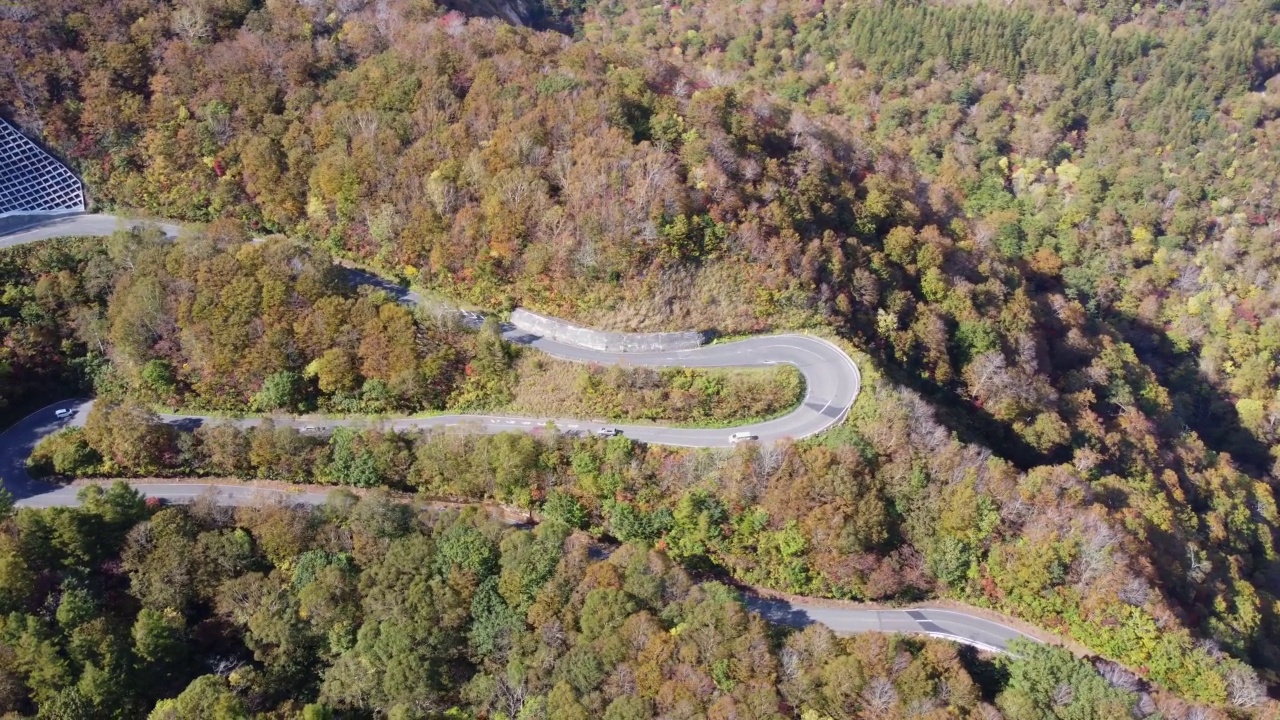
(63,413)
(741,437)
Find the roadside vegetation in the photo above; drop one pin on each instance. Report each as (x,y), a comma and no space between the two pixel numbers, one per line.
(687,396)
(369,608)
(43,355)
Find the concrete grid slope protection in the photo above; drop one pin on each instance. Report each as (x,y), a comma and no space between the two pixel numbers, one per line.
(32,181)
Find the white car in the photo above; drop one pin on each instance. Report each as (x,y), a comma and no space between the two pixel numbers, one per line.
(742,437)
(608,432)
(63,413)
(310,429)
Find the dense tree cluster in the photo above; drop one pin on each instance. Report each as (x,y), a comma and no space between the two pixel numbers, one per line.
(366,608)
(1055,223)
(215,322)
(50,293)
(212,321)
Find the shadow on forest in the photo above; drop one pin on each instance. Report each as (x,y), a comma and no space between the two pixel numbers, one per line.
(778,612)
(990,677)
(1197,404)
(521,13)
(1190,595)
(1200,407)
(969,423)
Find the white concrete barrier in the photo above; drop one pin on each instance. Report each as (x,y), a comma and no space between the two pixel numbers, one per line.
(561,331)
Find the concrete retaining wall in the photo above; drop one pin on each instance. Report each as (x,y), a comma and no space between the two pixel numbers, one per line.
(561,331)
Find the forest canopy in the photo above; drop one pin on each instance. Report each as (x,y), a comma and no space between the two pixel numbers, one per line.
(364,607)
(1050,227)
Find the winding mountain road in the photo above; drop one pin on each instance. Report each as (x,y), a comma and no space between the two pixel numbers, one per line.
(832,380)
(832,383)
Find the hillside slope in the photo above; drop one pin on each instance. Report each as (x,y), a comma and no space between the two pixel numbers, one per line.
(1053,230)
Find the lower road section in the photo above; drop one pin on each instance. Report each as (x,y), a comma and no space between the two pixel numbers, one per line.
(953,625)
(956,626)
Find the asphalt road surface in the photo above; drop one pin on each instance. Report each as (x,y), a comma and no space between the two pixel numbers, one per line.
(20,229)
(182,493)
(832,383)
(831,386)
(950,625)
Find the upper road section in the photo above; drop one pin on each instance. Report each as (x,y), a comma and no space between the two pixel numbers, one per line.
(832,381)
(21,229)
